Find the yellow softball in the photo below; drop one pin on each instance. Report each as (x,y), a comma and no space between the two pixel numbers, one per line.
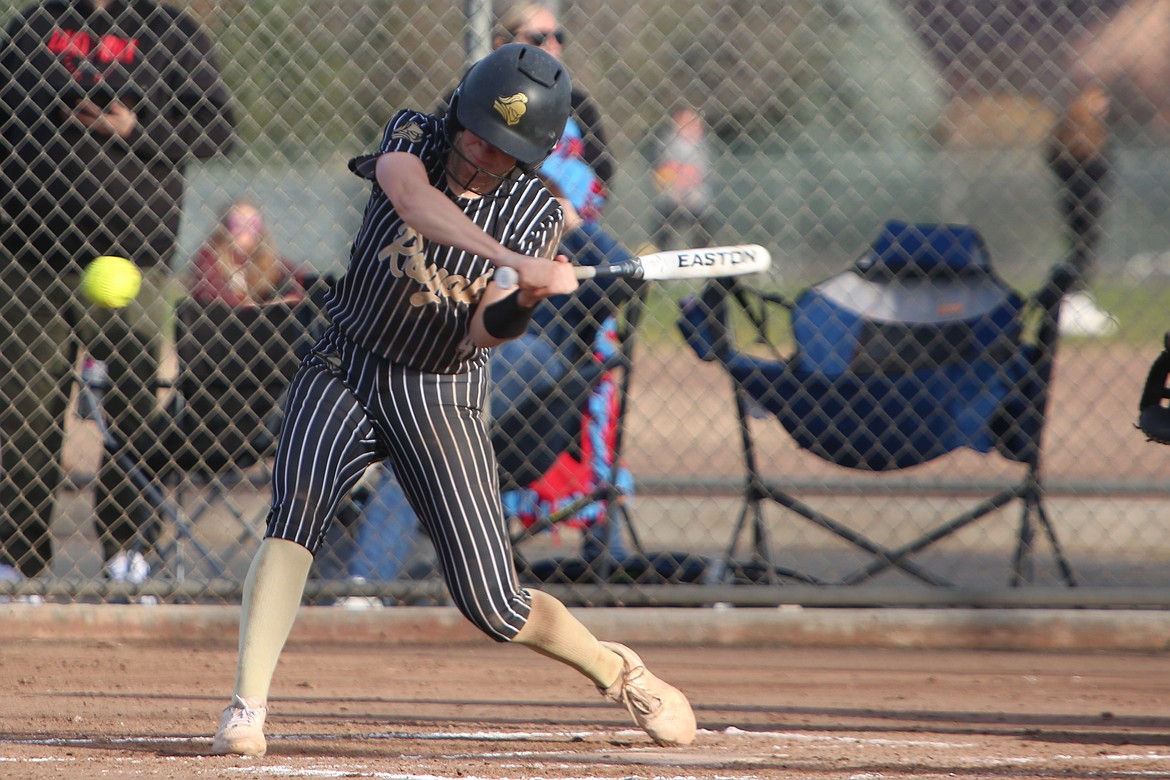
(111,282)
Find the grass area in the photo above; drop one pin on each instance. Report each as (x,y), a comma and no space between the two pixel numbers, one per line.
(1144,313)
(658,328)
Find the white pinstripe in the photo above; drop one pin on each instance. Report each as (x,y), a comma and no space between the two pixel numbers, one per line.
(389,381)
(348,409)
(373,307)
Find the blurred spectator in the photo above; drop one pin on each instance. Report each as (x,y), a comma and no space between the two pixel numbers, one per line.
(1091,68)
(1078,155)
(239,263)
(585,136)
(682,171)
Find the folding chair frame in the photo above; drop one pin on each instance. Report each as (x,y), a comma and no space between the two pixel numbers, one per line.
(168,505)
(606,490)
(1030,490)
(155,493)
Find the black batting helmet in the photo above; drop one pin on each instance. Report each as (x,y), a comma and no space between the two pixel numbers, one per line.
(516,99)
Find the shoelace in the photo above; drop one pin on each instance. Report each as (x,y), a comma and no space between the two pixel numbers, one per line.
(638,696)
(242,716)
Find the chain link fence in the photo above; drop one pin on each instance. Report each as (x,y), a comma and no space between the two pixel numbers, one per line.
(1041,125)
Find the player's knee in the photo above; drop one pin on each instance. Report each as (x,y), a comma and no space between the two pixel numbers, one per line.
(495,627)
(498,627)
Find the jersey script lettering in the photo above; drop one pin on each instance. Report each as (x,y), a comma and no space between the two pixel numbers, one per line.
(406,257)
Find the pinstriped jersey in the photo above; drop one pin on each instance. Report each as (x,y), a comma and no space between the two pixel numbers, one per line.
(409,299)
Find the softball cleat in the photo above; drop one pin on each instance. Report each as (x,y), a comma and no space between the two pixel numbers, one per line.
(241,729)
(659,708)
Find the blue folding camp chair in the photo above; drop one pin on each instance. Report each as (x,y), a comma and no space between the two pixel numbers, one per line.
(916,350)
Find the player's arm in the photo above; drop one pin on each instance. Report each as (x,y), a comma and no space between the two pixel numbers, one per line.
(403,178)
(502,315)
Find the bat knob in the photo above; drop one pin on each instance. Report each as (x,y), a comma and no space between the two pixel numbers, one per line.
(506,278)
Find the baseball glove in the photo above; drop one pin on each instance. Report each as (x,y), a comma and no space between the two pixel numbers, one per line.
(1153,416)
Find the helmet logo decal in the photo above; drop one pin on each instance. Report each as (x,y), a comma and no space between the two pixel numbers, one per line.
(511,108)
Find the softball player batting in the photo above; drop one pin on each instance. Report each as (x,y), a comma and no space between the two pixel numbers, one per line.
(401,375)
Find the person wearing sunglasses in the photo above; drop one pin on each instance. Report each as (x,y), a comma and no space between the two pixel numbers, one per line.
(585,136)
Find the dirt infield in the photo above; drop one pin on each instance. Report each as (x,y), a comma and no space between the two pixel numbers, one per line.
(90,708)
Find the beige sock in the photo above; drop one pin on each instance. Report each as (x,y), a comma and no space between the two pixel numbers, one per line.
(553,631)
(272,596)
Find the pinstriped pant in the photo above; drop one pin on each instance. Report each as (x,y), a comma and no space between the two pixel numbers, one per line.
(347,409)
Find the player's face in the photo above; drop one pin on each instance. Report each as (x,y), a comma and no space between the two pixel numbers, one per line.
(477,166)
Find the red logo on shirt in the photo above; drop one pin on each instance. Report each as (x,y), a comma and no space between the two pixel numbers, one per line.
(107,49)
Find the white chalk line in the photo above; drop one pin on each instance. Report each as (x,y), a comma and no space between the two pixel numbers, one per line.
(791,736)
(551,755)
(292,771)
(534,736)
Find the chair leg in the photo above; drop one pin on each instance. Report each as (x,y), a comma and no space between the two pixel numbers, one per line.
(158,500)
(1023,569)
(761,555)
(884,557)
(174,556)
(761,545)
(750,504)
(1062,563)
(757,490)
(628,523)
(164,508)
(616,510)
(1022,565)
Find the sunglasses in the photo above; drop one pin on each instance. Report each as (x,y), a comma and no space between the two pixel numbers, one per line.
(539,38)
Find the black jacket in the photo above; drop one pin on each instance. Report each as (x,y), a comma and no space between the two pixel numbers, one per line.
(588,117)
(68,193)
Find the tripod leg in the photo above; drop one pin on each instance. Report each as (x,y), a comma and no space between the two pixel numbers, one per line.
(1062,563)
(1022,568)
(748,506)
